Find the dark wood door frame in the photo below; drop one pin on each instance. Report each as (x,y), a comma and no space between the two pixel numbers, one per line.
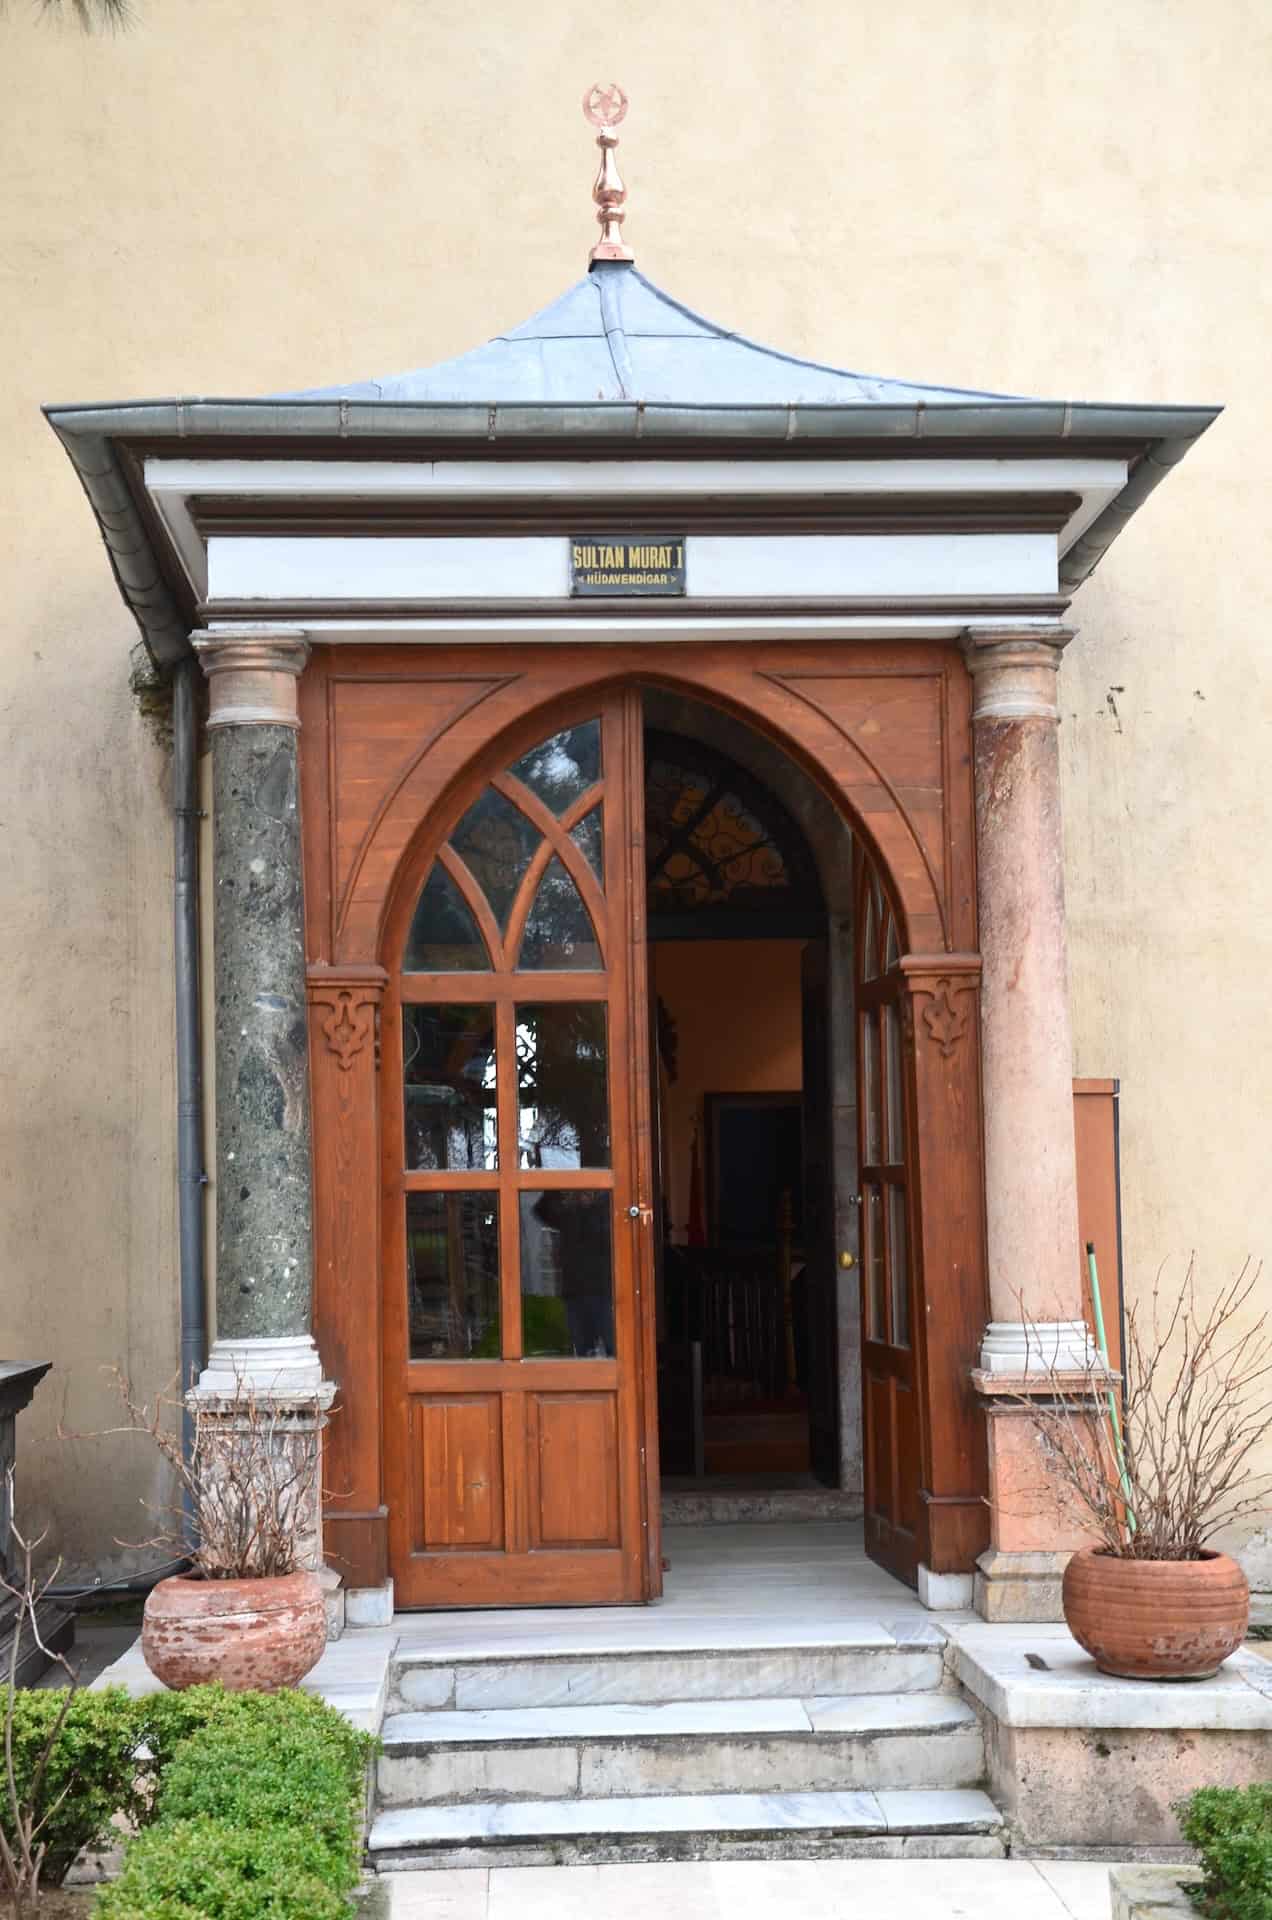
(389,734)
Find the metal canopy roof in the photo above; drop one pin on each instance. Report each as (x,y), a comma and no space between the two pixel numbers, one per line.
(616,336)
(615,366)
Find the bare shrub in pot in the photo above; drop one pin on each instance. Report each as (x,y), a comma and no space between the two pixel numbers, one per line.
(250,1613)
(1155,1466)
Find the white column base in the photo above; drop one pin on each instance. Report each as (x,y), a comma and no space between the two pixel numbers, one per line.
(945,1592)
(287,1365)
(369,1606)
(1060,1346)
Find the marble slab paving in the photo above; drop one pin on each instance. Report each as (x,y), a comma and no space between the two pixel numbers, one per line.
(786,1585)
(1069,1691)
(741,1890)
(858,1813)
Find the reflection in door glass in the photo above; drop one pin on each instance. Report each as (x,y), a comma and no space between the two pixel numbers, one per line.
(872,1088)
(896,1098)
(562,768)
(877,1328)
(567,1287)
(559,935)
(444,936)
(448,1067)
(899,1269)
(452,1275)
(562,1090)
(496,841)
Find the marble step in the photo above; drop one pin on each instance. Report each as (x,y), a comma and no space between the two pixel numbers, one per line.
(825,1743)
(737,1826)
(869,1657)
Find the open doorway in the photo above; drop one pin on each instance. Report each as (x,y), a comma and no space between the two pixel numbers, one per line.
(754,1113)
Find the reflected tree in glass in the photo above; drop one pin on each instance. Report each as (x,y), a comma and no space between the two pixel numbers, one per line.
(448,1071)
(562,1085)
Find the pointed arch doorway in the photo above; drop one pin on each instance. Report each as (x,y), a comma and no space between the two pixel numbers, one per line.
(482,866)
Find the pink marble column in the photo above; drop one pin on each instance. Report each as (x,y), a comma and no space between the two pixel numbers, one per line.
(1035,1274)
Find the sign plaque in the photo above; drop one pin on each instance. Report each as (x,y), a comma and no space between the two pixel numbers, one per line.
(652,563)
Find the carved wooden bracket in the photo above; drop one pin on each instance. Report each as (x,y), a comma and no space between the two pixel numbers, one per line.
(941,985)
(351,996)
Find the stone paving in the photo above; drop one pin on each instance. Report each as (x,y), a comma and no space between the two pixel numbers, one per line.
(756,1890)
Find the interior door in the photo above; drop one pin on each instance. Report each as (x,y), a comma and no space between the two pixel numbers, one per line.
(890,1401)
(517,1231)
(820,1279)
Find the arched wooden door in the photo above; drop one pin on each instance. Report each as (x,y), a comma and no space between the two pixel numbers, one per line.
(456,1451)
(517,1232)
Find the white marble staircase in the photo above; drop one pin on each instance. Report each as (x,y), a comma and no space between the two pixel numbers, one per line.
(857,1747)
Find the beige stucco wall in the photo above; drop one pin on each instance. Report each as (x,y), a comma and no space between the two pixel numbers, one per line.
(237,198)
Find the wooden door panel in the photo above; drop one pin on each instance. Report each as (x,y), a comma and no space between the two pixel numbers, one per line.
(459,1462)
(878,1448)
(905,1425)
(515,1237)
(573,1469)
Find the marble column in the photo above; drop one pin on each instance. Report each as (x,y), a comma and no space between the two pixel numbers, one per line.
(1035,1276)
(264,1178)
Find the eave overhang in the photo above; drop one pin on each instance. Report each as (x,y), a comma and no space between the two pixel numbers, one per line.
(109,444)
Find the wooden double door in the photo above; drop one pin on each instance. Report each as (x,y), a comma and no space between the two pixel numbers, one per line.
(479,1046)
(520,1448)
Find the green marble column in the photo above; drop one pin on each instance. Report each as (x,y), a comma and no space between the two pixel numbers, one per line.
(264,1179)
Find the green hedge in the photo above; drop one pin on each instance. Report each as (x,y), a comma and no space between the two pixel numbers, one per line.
(256,1811)
(1231,1828)
(214,1870)
(92,1772)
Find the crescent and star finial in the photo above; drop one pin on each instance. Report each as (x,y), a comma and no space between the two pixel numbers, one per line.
(605,107)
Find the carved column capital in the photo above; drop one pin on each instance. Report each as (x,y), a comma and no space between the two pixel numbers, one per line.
(944,988)
(1014,671)
(350,998)
(252,675)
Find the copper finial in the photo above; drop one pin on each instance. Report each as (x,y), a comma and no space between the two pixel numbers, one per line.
(605,107)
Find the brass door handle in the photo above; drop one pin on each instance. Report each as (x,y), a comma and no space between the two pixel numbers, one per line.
(847,1260)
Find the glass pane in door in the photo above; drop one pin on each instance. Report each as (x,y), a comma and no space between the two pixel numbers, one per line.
(496,842)
(452,1275)
(444,936)
(898,1267)
(877,1326)
(448,1074)
(562,769)
(567,1281)
(562,1085)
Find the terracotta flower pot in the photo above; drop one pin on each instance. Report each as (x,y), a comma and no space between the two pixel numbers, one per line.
(1156,1619)
(262,1634)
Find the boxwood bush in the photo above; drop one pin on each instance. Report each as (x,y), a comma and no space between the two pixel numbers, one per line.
(256,1812)
(1231,1828)
(92,1772)
(214,1870)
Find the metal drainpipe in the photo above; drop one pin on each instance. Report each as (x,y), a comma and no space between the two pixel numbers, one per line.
(191,1174)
